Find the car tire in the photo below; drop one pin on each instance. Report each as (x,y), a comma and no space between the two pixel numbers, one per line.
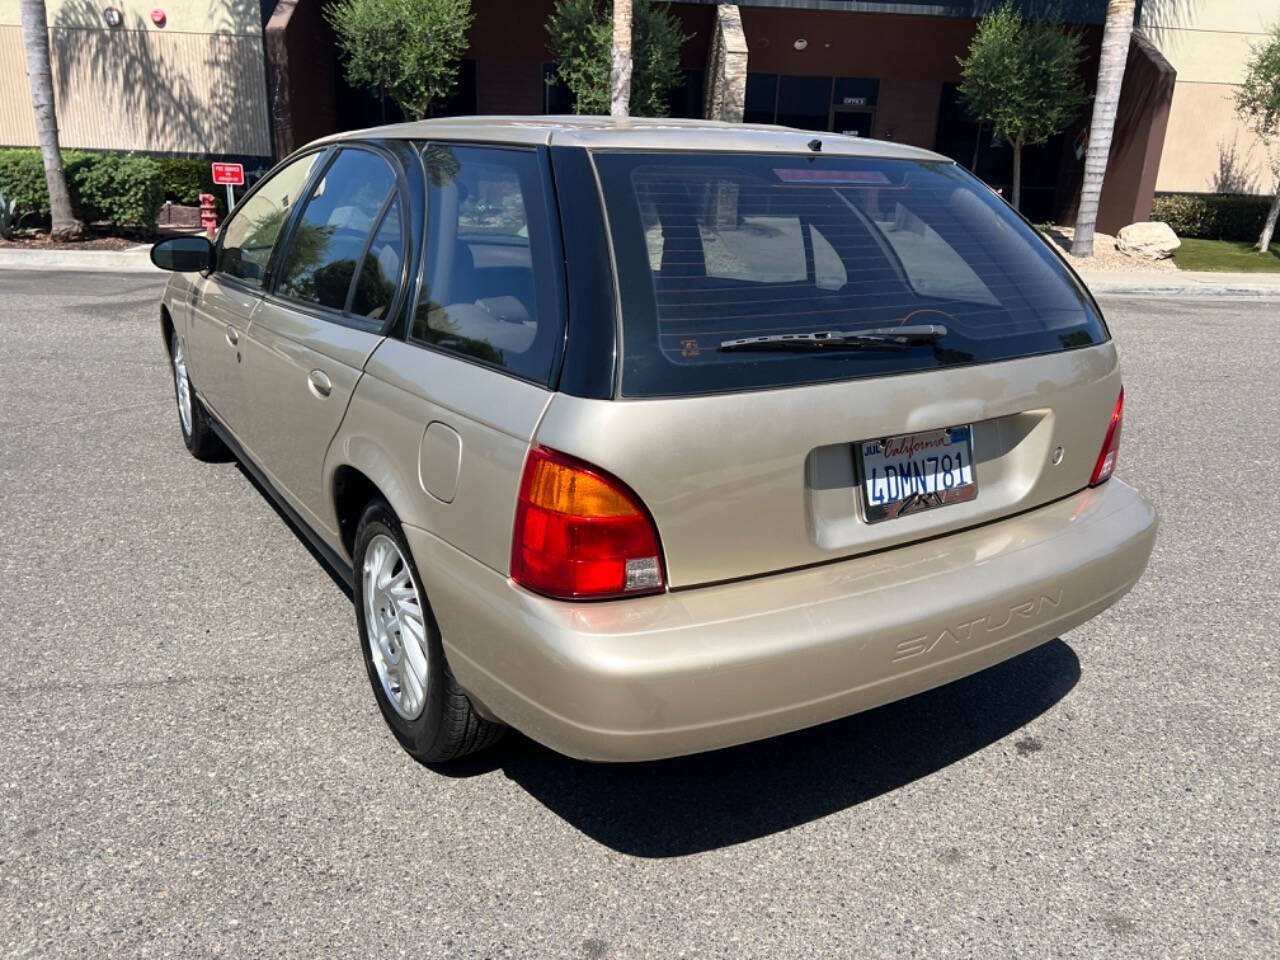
(193,419)
(419,698)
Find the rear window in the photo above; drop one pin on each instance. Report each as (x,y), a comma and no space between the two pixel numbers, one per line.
(716,248)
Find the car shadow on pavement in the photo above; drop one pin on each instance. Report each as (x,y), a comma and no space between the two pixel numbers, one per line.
(693,804)
(671,808)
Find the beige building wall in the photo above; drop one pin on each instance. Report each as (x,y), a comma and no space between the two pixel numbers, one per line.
(1208,43)
(195,85)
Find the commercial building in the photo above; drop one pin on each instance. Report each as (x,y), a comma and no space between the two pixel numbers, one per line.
(255,79)
(168,76)
(1207,148)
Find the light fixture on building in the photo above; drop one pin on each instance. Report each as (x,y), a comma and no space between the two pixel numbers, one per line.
(801,43)
(158,17)
(113,16)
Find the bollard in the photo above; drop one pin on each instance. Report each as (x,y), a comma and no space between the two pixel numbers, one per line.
(208,214)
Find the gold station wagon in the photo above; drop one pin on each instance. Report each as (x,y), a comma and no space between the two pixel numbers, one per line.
(651,437)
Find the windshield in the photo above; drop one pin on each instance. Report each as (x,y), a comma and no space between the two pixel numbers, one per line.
(716,247)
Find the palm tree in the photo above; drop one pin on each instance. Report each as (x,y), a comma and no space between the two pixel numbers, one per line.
(620,73)
(35,36)
(1115,51)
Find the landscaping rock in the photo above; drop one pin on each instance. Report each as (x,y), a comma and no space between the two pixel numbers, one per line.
(1106,257)
(1150,240)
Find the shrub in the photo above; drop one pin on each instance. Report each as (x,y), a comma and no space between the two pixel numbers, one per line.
(1212,216)
(183,179)
(22,183)
(123,189)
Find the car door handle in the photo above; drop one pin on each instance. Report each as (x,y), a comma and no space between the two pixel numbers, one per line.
(233,336)
(319,383)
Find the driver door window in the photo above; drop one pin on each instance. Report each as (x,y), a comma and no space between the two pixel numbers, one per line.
(249,236)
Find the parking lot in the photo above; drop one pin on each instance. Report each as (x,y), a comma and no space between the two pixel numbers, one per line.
(192,763)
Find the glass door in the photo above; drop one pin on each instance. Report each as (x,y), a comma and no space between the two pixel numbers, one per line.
(853,106)
(852,123)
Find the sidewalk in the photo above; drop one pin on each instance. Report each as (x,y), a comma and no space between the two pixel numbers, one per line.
(1183,283)
(134,260)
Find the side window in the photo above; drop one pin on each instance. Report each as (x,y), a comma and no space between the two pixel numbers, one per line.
(828,270)
(932,265)
(703,233)
(489,289)
(380,271)
(759,249)
(255,226)
(343,210)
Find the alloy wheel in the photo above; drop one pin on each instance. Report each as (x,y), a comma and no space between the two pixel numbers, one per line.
(396,627)
(182,385)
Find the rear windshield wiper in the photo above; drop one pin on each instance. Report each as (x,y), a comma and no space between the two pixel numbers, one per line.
(875,338)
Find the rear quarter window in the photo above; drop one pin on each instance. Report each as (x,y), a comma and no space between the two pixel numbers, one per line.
(490,290)
(713,248)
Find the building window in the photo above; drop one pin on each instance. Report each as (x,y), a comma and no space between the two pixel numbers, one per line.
(686,99)
(556,95)
(855,92)
(462,102)
(804,102)
(841,104)
(762,98)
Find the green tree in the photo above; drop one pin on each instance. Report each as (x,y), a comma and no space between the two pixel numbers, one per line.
(1258,102)
(581,39)
(406,49)
(1022,78)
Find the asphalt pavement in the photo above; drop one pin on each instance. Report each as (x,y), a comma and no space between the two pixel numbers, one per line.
(192,764)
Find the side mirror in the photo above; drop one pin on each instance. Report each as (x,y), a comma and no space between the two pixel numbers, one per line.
(183,254)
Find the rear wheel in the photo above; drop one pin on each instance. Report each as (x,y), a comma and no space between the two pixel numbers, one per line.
(197,431)
(419,698)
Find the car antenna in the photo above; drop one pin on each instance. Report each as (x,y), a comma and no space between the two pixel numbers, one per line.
(815,145)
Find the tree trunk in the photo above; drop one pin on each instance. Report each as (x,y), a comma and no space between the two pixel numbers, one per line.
(620,73)
(35,37)
(1115,51)
(977,146)
(1017,175)
(1269,228)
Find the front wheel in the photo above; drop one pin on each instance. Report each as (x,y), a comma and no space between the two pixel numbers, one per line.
(419,698)
(197,431)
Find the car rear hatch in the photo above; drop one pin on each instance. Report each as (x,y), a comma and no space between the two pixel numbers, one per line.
(829,356)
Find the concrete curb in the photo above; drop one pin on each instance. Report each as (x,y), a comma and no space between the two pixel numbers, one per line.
(133,260)
(1199,292)
(1185,284)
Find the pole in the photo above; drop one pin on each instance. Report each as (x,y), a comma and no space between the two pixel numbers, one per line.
(231,199)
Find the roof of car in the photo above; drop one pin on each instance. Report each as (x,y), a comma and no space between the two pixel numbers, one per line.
(638,133)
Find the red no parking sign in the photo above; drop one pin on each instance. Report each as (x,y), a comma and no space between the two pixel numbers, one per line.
(230,174)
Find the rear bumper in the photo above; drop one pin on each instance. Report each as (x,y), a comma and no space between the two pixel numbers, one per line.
(713,666)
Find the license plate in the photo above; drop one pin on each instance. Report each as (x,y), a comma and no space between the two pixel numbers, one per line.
(916,471)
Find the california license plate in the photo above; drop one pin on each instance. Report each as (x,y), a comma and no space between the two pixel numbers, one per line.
(916,471)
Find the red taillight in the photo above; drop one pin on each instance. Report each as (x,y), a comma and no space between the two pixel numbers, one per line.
(581,534)
(1106,464)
